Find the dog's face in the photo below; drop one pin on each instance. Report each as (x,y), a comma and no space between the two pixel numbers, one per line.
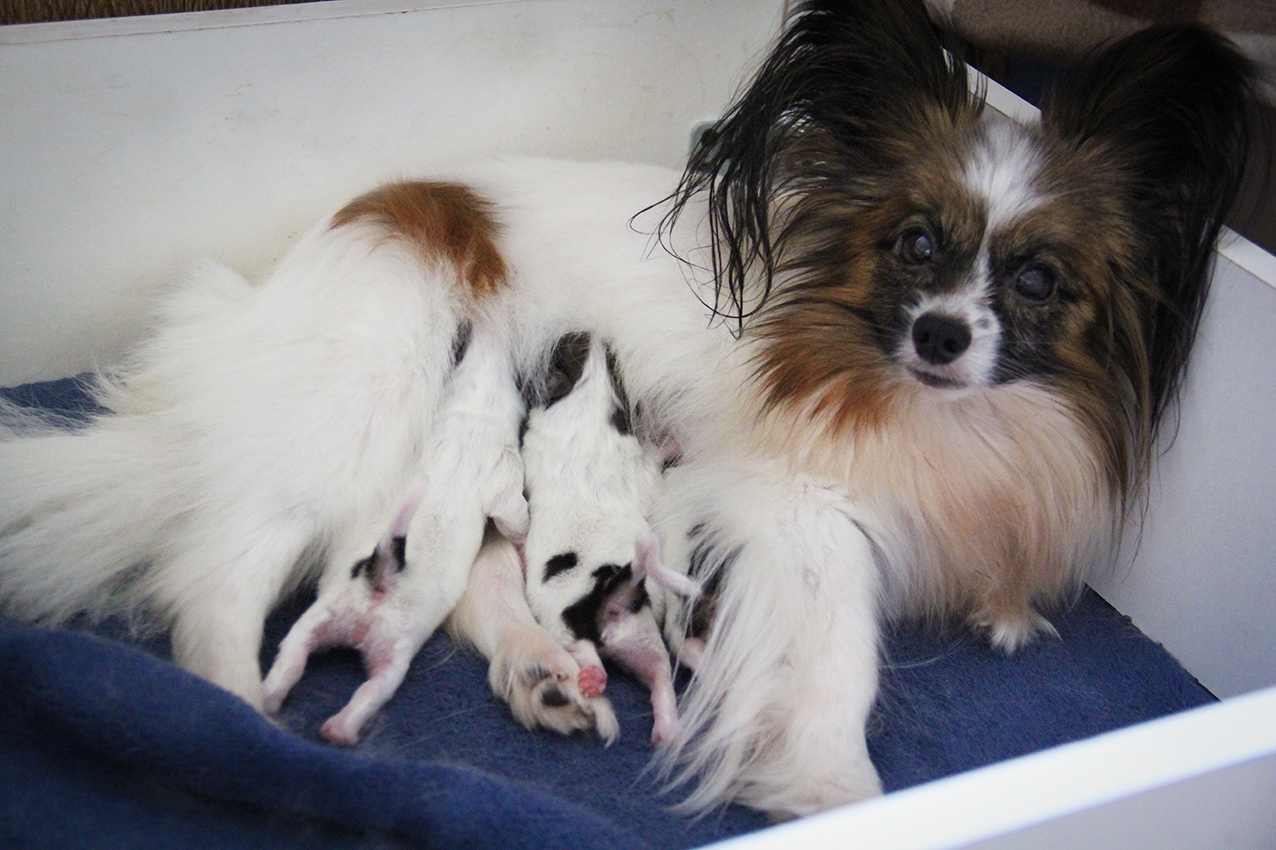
(975,279)
(884,238)
(998,260)
(961,275)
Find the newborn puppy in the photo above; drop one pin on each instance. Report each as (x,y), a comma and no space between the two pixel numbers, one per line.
(529,669)
(391,601)
(590,485)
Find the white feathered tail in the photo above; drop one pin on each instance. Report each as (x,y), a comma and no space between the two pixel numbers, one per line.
(261,431)
(79,510)
(85,506)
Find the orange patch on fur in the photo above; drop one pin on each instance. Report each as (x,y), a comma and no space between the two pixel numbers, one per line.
(445,222)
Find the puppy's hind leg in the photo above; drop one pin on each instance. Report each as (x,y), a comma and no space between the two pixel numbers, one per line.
(633,641)
(632,638)
(387,667)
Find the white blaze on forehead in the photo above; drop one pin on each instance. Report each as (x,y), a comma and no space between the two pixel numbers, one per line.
(1002,171)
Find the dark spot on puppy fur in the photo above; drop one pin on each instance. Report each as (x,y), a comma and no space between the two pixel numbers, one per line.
(639,599)
(584,617)
(400,552)
(620,419)
(461,342)
(364,565)
(709,566)
(559,563)
(706,563)
(705,609)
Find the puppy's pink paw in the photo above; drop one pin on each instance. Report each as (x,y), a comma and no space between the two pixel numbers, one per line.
(336,731)
(592,681)
(664,731)
(541,682)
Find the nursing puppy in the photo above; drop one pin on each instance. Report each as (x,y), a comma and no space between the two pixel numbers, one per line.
(542,620)
(591,486)
(942,348)
(390,602)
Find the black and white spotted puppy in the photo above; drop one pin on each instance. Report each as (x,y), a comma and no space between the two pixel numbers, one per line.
(590,485)
(470,471)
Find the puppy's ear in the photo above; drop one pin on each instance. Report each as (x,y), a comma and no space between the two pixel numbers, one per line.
(844,80)
(1172,105)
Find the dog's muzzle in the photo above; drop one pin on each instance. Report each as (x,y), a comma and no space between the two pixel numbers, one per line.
(940,339)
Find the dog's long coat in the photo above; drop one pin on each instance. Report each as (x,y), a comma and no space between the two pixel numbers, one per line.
(947,349)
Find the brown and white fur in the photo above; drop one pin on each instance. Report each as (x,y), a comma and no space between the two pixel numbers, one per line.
(841,457)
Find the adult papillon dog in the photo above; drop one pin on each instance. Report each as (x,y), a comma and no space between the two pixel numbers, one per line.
(914,357)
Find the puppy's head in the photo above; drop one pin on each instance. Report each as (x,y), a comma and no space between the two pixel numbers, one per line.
(881,237)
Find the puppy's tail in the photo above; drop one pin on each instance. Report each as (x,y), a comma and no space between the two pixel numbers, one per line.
(81,508)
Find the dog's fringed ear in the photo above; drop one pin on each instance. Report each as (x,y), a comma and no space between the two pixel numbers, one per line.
(1173,105)
(842,76)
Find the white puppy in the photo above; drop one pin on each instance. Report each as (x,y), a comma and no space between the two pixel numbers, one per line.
(389,603)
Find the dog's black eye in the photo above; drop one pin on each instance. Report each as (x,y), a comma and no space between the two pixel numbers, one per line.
(915,247)
(1035,283)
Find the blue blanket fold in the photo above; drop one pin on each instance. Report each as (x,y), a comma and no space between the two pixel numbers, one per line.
(81,709)
(104,743)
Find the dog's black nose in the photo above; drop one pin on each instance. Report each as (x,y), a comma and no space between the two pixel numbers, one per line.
(940,339)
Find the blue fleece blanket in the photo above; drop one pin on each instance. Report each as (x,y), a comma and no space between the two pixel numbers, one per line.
(104,743)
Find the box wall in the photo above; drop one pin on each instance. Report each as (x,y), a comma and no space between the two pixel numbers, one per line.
(1200,574)
(132,148)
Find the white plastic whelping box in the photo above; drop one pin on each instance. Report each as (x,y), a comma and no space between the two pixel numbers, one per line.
(129,147)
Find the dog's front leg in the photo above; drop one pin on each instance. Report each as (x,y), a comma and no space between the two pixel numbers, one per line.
(776,712)
(528,668)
